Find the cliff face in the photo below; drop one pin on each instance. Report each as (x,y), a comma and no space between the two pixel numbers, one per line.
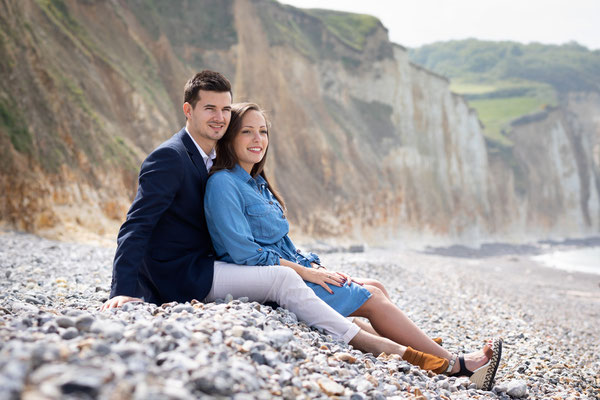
(558,155)
(364,143)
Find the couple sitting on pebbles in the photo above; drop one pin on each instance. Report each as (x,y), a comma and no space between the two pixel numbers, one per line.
(203,195)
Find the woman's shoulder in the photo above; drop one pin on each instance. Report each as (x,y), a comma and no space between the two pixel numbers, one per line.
(221,178)
(222,174)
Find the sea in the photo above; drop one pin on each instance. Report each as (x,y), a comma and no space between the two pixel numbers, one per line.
(585,259)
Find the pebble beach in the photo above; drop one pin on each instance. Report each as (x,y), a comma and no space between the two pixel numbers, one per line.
(56,344)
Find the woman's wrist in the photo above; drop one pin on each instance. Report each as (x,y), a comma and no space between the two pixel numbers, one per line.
(296,267)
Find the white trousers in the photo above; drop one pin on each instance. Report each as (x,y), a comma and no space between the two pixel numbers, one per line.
(283,286)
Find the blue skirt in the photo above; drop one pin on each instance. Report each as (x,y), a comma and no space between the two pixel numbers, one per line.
(345,299)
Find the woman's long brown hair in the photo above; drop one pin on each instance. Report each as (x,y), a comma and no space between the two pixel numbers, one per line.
(226,157)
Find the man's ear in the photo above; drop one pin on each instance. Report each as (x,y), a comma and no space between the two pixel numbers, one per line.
(187,109)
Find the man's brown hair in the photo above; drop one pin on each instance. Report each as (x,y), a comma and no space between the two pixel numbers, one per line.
(209,81)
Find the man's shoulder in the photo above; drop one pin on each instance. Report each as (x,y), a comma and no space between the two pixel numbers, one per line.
(173,146)
(174,142)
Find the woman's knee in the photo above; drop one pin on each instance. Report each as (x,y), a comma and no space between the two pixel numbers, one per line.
(374,282)
(377,284)
(374,290)
(377,295)
(373,303)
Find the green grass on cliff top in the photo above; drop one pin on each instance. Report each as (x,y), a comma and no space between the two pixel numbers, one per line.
(303,29)
(506,80)
(496,114)
(351,29)
(500,103)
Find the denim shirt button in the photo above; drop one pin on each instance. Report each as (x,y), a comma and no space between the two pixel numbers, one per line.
(259,249)
(270,202)
(298,251)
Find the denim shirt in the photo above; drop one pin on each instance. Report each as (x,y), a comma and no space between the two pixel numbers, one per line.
(246,223)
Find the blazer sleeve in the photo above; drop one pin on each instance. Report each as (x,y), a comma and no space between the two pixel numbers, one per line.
(159,181)
(228,227)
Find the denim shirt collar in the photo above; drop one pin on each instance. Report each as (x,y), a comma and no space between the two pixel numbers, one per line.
(241,174)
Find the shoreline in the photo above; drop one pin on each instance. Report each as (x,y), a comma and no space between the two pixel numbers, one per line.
(494,249)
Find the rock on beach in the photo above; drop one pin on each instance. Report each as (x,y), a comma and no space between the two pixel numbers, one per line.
(55,343)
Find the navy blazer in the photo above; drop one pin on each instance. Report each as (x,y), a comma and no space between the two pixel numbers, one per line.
(164,249)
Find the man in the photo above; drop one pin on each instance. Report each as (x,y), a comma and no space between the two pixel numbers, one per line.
(164,250)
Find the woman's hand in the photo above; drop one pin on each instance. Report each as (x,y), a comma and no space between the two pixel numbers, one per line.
(348,279)
(318,274)
(322,277)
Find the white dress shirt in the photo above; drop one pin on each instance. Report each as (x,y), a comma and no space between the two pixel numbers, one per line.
(207,158)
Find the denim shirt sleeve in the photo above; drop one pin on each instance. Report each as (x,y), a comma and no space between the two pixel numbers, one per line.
(228,226)
(312,257)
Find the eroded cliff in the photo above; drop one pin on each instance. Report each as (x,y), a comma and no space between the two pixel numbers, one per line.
(365,145)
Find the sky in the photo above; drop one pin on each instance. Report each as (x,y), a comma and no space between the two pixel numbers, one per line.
(413,23)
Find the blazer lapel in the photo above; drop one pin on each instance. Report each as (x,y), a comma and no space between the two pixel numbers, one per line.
(194,154)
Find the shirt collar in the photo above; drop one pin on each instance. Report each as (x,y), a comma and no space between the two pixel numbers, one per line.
(241,173)
(212,155)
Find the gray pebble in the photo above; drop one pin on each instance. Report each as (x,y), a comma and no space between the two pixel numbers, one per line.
(65,322)
(84,323)
(70,333)
(183,307)
(258,358)
(517,388)
(101,349)
(377,395)
(50,327)
(33,300)
(280,337)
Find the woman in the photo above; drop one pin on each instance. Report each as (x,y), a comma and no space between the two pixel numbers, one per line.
(247,222)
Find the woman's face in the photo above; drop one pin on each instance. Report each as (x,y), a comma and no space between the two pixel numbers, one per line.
(252,140)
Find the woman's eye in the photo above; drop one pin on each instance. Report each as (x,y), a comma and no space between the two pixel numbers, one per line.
(263,132)
(245,131)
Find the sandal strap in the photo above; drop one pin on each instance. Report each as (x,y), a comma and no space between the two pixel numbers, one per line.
(451,363)
(463,368)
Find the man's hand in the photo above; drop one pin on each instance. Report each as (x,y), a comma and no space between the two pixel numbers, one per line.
(118,301)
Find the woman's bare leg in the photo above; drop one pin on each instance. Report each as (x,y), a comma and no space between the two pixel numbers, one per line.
(366,326)
(389,321)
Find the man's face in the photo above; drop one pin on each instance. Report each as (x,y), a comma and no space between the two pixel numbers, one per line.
(208,120)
